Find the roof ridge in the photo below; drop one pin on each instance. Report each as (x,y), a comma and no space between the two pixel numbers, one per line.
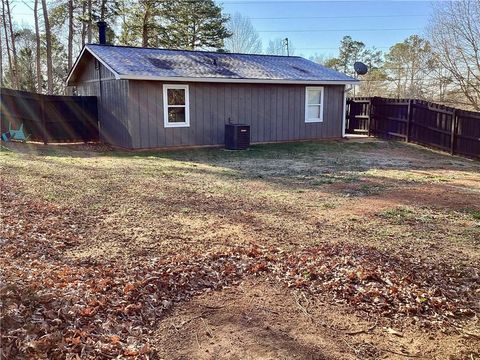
(196,51)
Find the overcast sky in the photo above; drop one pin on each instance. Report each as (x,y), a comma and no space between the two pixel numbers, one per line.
(315,26)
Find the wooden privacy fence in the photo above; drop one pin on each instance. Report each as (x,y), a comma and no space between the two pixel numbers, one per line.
(453,130)
(49,118)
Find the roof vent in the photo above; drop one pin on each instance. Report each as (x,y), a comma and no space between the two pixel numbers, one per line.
(300,69)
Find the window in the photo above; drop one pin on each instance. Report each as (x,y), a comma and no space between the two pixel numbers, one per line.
(175,106)
(314,104)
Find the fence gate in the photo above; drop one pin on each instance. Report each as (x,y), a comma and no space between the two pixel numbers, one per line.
(358,119)
(49,118)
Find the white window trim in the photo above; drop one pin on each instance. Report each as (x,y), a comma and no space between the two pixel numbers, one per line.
(313,120)
(166,106)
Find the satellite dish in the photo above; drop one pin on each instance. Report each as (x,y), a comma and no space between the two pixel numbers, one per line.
(360,68)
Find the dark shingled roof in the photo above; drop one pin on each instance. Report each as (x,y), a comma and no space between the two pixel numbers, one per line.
(129,62)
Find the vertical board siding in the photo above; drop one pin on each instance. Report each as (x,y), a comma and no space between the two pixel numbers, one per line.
(274,112)
(134,114)
(112,110)
(90,70)
(112,99)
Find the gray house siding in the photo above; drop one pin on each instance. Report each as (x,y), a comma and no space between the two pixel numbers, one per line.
(131,111)
(112,100)
(274,112)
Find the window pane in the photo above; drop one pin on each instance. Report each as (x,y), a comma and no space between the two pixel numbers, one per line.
(314,96)
(176,96)
(176,115)
(314,111)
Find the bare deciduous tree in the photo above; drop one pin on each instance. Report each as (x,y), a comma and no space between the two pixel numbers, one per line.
(89,22)
(14,62)
(7,44)
(1,64)
(48,39)
(245,38)
(455,35)
(278,46)
(38,53)
(70,34)
(83,30)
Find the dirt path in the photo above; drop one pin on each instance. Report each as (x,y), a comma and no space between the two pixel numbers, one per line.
(258,321)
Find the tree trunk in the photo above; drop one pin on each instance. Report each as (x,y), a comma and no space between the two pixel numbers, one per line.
(1,67)
(84,27)
(48,37)
(89,23)
(103,10)
(7,44)
(16,75)
(145,35)
(70,34)
(37,57)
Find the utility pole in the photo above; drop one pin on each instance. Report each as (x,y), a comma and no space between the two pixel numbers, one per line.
(285,44)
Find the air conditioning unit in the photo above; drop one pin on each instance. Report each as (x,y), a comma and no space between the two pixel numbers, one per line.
(237,136)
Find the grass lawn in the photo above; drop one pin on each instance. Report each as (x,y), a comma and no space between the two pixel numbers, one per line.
(328,250)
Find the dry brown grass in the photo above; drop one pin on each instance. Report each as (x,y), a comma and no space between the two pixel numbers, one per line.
(282,195)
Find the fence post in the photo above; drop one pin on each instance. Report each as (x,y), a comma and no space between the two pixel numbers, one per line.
(348,108)
(409,119)
(370,117)
(44,120)
(453,133)
(84,121)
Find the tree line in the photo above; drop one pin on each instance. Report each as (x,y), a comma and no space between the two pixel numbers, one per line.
(442,66)
(38,58)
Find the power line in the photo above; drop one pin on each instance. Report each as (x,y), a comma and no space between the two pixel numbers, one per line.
(336,30)
(336,48)
(298,17)
(335,17)
(275,2)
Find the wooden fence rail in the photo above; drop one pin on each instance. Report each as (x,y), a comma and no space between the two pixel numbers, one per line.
(449,129)
(49,118)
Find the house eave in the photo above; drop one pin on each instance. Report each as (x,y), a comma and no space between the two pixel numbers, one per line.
(241,81)
(77,61)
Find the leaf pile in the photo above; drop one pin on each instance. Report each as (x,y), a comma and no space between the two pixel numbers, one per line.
(57,307)
(380,283)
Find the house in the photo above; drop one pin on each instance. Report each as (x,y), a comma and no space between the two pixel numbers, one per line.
(154,98)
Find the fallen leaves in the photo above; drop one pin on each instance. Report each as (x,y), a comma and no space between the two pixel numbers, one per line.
(57,307)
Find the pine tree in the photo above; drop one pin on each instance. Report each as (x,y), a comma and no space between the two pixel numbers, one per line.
(193,24)
(408,64)
(140,25)
(351,51)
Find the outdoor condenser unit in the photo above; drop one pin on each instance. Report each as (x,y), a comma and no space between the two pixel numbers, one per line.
(237,136)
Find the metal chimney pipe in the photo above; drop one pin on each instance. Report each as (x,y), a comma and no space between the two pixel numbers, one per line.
(102,32)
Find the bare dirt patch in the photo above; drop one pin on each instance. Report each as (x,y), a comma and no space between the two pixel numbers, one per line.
(255,321)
